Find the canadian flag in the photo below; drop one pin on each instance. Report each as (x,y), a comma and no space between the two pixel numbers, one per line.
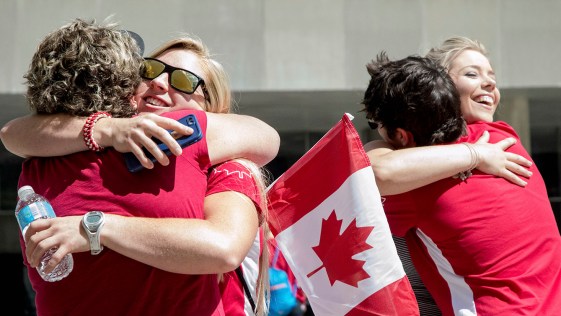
(327,217)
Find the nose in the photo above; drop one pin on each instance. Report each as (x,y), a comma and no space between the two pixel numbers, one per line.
(160,83)
(489,83)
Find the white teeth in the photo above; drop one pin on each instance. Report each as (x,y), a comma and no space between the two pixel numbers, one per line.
(484,99)
(155,102)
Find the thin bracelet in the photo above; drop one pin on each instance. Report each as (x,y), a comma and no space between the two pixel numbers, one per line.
(87,130)
(473,163)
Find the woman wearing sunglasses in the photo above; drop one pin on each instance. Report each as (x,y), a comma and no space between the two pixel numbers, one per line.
(182,76)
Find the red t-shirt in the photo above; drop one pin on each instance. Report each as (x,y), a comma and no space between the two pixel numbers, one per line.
(484,246)
(233,176)
(110,283)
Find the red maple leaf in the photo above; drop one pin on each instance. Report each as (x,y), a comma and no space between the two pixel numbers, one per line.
(336,251)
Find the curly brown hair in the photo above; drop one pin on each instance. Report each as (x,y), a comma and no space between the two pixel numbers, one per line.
(83,68)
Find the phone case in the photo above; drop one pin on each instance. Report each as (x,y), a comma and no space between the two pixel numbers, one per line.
(134,165)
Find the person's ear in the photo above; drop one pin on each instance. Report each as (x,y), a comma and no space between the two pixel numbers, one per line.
(134,103)
(405,138)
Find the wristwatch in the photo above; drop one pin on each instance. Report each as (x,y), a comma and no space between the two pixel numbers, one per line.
(93,222)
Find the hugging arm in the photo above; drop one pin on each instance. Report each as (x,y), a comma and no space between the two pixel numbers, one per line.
(51,135)
(232,136)
(216,244)
(228,135)
(43,135)
(402,170)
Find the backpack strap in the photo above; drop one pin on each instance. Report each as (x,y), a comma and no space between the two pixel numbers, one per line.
(275,257)
(245,288)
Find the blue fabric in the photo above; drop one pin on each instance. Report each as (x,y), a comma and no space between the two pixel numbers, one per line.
(283,298)
(283,294)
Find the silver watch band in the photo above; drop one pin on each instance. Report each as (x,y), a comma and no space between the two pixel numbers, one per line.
(93,222)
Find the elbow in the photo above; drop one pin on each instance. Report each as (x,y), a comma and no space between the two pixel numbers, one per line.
(384,180)
(229,260)
(229,253)
(231,263)
(5,138)
(270,149)
(274,146)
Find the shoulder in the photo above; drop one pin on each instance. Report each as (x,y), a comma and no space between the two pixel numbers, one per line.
(498,130)
(231,172)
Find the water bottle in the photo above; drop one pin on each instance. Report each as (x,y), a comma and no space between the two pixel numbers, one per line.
(32,206)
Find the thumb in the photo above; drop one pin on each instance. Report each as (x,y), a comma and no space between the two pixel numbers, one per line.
(507,142)
(484,139)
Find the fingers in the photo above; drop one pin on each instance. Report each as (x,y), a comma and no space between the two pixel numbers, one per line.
(56,258)
(35,233)
(495,160)
(514,179)
(518,169)
(518,160)
(506,143)
(37,245)
(141,156)
(61,234)
(177,130)
(150,146)
(150,133)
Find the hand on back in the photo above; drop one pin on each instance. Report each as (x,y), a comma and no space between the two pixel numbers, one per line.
(495,160)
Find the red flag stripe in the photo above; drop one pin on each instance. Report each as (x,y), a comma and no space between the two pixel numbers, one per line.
(396,299)
(324,179)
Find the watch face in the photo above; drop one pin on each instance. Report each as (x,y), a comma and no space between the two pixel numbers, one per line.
(93,218)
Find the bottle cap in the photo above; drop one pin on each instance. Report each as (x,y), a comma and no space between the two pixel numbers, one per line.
(25,191)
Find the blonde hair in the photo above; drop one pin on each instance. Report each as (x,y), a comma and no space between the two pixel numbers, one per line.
(452,47)
(217,83)
(262,179)
(219,100)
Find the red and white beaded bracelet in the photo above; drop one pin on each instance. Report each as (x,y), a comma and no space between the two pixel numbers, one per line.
(87,130)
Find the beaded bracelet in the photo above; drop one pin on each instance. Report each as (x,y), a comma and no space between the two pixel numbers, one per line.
(87,130)
(474,162)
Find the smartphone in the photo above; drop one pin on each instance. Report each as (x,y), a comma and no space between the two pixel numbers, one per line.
(134,165)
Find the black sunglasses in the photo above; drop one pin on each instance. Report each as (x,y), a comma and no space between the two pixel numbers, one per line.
(372,124)
(180,79)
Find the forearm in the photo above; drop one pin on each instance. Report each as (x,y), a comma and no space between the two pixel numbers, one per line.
(44,135)
(216,244)
(232,136)
(61,134)
(403,170)
(188,246)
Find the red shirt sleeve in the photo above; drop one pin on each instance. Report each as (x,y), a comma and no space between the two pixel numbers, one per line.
(233,176)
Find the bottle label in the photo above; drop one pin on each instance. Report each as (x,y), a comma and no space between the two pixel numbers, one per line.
(32,212)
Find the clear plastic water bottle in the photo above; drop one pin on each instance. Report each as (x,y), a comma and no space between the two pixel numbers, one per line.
(32,206)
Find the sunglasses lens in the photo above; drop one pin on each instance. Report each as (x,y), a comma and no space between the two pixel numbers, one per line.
(184,81)
(152,69)
(373,125)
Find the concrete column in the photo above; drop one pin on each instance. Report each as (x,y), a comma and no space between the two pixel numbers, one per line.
(516,112)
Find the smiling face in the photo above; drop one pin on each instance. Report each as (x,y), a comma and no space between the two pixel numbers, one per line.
(158,96)
(475,81)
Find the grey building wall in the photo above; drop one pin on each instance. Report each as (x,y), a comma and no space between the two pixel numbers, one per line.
(272,49)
